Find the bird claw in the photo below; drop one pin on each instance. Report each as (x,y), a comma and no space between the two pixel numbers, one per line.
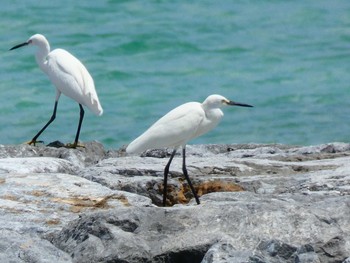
(74,145)
(33,142)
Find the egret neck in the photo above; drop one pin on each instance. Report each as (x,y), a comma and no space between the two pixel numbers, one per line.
(41,54)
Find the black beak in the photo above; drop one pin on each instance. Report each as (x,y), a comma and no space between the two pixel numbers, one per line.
(20,45)
(238,104)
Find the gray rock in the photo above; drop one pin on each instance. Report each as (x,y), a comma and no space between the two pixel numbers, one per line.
(259,203)
(40,194)
(36,165)
(270,169)
(225,252)
(185,233)
(21,247)
(267,251)
(46,201)
(91,154)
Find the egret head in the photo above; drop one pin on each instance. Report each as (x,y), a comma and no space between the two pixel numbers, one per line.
(217,101)
(36,40)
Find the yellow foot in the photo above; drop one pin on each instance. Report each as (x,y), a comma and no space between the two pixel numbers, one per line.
(74,145)
(33,142)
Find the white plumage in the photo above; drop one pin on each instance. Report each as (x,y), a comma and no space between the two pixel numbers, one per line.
(179,126)
(69,76)
(182,124)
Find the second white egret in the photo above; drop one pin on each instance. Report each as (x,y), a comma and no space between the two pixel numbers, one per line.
(179,126)
(69,76)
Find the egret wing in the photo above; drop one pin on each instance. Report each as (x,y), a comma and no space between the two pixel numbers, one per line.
(174,129)
(72,78)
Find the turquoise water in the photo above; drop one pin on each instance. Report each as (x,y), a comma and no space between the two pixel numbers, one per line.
(290,59)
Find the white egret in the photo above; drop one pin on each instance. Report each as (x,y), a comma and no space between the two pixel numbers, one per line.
(69,76)
(179,126)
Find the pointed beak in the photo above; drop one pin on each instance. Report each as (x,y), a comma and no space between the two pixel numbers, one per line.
(232,103)
(20,45)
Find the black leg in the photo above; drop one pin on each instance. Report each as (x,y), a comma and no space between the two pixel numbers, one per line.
(33,141)
(186,175)
(166,172)
(79,126)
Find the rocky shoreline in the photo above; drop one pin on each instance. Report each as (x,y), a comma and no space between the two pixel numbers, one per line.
(259,203)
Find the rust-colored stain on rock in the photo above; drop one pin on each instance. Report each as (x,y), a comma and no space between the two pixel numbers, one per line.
(53,221)
(217,186)
(80,203)
(123,199)
(184,194)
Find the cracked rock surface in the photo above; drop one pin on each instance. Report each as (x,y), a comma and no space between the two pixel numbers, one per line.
(259,203)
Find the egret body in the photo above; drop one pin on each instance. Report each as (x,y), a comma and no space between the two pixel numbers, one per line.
(179,126)
(69,76)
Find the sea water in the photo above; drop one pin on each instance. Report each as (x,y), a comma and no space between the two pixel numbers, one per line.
(290,59)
